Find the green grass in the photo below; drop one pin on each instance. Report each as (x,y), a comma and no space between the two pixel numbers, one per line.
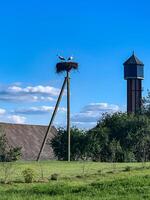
(77,181)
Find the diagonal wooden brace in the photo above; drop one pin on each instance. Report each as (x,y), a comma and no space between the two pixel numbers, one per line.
(52,118)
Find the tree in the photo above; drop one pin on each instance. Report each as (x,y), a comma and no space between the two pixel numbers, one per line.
(117,154)
(78,144)
(117,137)
(121,137)
(7,152)
(146,105)
(98,139)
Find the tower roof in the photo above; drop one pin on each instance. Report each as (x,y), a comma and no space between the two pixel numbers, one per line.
(133,60)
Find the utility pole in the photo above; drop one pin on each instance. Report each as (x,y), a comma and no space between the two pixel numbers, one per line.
(68,114)
(63,66)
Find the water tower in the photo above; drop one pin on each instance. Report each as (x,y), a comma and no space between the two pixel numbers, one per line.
(134,74)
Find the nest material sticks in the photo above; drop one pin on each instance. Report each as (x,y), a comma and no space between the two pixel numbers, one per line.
(66,66)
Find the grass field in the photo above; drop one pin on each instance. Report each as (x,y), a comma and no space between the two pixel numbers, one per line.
(76,181)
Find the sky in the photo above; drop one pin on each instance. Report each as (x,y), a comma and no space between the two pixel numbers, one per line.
(100,35)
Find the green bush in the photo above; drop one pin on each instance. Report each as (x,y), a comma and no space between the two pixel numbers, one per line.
(127,169)
(28,175)
(59,143)
(54,177)
(7,152)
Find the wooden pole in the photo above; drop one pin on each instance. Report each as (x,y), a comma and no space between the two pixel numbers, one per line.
(68,114)
(52,118)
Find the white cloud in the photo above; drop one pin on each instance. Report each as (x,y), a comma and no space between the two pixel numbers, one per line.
(24,98)
(100,107)
(2,111)
(48,90)
(14,89)
(34,94)
(38,110)
(91,113)
(16,119)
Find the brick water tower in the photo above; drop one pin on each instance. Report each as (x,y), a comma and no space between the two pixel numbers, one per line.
(134,74)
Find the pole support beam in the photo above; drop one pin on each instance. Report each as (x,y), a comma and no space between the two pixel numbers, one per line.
(52,118)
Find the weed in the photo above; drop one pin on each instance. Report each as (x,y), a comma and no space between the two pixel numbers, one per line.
(28,175)
(54,177)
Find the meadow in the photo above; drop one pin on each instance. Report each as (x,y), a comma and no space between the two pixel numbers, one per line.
(76,181)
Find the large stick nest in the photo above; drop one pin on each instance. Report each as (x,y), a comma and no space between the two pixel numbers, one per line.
(66,66)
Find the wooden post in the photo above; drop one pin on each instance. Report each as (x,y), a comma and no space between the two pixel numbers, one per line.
(68,114)
(52,119)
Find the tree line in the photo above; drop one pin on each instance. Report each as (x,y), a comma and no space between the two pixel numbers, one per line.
(117,137)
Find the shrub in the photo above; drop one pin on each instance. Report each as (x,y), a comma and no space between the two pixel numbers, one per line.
(28,175)
(54,177)
(59,143)
(7,152)
(127,169)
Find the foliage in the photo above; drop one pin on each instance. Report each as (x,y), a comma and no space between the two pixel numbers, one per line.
(127,168)
(54,177)
(146,105)
(28,175)
(7,152)
(117,137)
(78,144)
(128,138)
(97,143)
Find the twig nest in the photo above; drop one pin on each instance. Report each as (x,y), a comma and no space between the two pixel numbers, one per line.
(66,66)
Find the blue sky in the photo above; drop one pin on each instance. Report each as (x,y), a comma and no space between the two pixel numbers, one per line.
(101,35)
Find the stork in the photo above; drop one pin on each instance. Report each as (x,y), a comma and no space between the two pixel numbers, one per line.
(61,58)
(70,58)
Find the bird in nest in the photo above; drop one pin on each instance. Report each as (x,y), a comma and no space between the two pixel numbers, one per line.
(66,64)
(64,59)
